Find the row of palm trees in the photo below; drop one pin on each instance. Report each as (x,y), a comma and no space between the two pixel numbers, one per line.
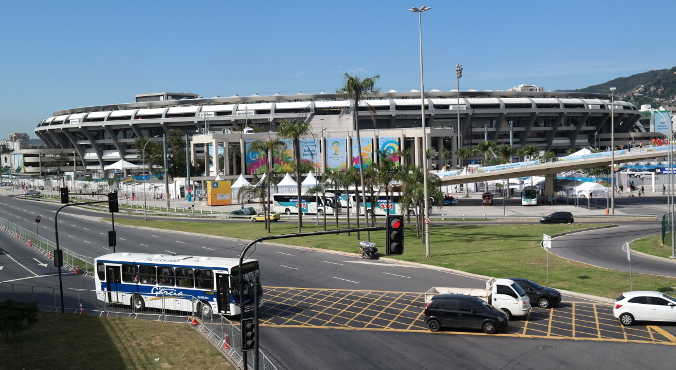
(492,154)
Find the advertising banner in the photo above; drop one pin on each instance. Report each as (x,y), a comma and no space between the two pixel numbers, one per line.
(336,153)
(366,152)
(309,152)
(390,147)
(663,122)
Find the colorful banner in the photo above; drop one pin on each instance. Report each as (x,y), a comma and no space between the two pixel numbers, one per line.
(366,152)
(389,146)
(256,161)
(309,152)
(336,153)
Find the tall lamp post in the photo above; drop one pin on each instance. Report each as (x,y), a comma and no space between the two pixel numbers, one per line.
(670,196)
(145,204)
(612,150)
(424,131)
(458,70)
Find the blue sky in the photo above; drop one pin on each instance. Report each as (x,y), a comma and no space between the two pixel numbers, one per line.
(65,54)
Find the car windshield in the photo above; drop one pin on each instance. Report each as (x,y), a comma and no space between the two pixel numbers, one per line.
(534,284)
(669,298)
(518,290)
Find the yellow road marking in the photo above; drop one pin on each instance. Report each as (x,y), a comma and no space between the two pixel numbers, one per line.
(596,318)
(664,333)
(572,319)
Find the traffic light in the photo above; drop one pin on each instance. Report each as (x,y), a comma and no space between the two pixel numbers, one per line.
(64,195)
(112,203)
(112,239)
(395,235)
(248,334)
(58,258)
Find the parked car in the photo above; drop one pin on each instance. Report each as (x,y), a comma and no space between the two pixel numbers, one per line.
(558,218)
(32,193)
(465,312)
(261,217)
(541,296)
(644,306)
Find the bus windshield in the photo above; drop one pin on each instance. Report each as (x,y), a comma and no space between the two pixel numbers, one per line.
(250,278)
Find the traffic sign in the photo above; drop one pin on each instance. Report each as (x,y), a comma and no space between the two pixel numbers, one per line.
(427,220)
(37,219)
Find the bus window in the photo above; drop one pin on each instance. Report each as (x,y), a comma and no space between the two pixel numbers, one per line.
(165,276)
(204,279)
(129,274)
(101,271)
(148,274)
(184,277)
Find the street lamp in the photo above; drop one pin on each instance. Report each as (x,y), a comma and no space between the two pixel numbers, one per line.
(424,132)
(458,70)
(670,197)
(145,216)
(612,150)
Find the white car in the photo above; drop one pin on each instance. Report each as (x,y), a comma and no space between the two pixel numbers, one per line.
(644,306)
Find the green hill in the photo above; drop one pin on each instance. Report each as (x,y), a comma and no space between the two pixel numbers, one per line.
(657,88)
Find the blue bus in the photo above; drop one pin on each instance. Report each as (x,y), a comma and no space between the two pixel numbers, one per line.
(177,282)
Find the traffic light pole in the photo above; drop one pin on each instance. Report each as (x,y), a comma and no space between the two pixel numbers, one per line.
(241,285)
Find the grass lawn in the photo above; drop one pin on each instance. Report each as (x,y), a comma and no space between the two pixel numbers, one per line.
(492,250)
(70,341)
(653,245)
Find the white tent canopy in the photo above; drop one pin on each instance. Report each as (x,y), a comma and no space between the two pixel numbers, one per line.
(583,151)
(310,180)
(241,182)
(287,181)
(121,165)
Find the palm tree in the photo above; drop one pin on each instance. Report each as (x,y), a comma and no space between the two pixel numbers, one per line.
(528,151)
(444,154)
(270,146)
(355,89)
(294,131)
(504,153)
(487,150)
(333,180)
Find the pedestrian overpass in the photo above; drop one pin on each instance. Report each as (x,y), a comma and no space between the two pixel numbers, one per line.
(550,169)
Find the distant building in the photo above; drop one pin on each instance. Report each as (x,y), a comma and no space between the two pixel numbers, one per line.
(165,96)
(524,87)
(18,141)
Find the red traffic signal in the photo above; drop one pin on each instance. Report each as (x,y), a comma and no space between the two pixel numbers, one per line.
(395,235)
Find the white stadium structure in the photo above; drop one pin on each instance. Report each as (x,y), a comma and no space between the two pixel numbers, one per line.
(101,135)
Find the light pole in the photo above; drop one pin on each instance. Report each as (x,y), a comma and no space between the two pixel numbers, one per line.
(458,70)
(145,216)
(612,150)
(670,197)
(424,132)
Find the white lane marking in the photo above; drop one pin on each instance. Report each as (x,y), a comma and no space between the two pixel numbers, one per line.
(286,254)
(383,264)
(170,252)
(102,233)
(144,245)
(17,262)
(206,248)
(349,281)
(408,277)
(178,241)
(86,228)
(40,263)
(334,263)
(123,239)
(155,236)
(73,225)
(29,277)
(289,267)
(86,241)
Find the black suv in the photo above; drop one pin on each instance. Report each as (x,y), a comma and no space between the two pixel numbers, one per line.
(463,311)
(542,296)
(558,217)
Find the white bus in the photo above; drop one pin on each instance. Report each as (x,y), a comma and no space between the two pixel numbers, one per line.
(381,207)
(288,203)
(531,196)
(181,283)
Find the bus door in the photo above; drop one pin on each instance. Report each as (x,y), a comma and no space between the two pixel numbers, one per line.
(114,283)
(223,293)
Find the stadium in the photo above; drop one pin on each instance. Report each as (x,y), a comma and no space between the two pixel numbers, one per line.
(98,136)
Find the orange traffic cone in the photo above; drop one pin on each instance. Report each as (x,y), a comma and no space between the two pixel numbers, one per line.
(81,310)
(30,243)
(226,341)
(49,255)
(194,322)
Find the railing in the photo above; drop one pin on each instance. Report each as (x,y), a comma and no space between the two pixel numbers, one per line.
(221,332)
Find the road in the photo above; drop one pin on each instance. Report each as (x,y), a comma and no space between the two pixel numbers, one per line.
(314,347)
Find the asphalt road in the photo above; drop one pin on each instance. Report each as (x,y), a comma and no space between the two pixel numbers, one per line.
(295,348)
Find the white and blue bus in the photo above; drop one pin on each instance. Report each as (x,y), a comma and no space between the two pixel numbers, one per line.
(288,203)
(531,196)
(175,282)
(382,206)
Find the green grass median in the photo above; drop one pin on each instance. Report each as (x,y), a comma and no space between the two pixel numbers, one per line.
(492,250)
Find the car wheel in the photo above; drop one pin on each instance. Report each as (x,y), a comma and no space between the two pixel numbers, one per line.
(543,302)
(488,327)
(509,314)
(626,319)
(138,302)
(434,325)
(253,219)
(570,222)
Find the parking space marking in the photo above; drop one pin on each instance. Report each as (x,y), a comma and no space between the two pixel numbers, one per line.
(403,311)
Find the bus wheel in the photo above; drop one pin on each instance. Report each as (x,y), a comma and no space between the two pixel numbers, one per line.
(320,212)
(138,303)
(287,211)
(205,309)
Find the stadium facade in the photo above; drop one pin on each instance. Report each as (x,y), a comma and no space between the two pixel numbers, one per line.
(101,135)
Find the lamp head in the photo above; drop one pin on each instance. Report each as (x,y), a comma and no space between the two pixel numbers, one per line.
(612,89)
(419,10)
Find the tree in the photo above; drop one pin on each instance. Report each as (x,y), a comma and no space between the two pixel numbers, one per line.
(528,152)
(487,151)
(355,89)
(270,147)
(294,131)
(549,156)
(58,161)
(17,316)
(504,153)
(153,155)
(463,154)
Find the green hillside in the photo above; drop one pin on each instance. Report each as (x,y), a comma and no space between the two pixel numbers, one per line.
(657,88)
